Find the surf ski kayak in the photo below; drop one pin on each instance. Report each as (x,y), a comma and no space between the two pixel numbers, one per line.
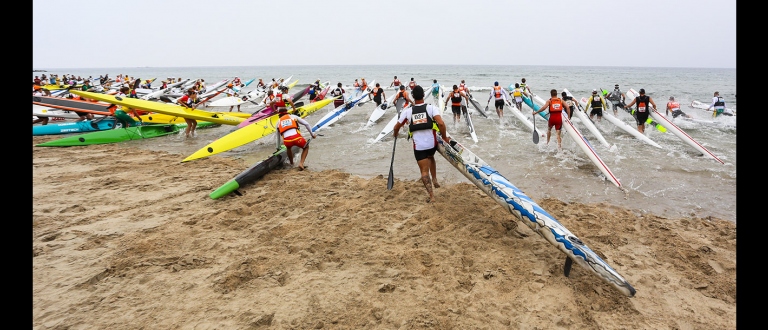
(279,157)
(120,135)
(531,214)
(389,127)
(252,132)
(41,111)
(470,126)
(166,108)
(608,115)
(701,106)
(585,146)
(677,131)
(586,121)
(379,111)
(254,172)
(99,124)
(337,113)
(477,107)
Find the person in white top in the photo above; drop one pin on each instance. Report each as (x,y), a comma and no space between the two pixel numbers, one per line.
(718,103)
(423,120)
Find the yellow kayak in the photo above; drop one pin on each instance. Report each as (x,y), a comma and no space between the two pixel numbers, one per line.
(159,118)
(292,84)
(224,118)
(252,132)
(53,87)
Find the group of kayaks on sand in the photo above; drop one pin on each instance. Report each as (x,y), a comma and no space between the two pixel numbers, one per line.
(142,111)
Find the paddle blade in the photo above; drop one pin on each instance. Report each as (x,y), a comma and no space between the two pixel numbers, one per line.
(535,136)
(391,177)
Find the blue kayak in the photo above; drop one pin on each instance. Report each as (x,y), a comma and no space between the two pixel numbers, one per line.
(94,125)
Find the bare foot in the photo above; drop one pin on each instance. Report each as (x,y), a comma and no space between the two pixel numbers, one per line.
(434,183)
(301,168)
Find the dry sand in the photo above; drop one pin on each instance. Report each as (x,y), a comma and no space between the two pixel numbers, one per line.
(125,238)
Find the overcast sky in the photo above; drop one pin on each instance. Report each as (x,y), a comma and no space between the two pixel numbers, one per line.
(175,33)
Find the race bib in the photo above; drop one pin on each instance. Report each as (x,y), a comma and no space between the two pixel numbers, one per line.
(641,107)
(419,118)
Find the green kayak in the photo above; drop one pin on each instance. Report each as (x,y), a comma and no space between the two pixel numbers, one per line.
(121,134)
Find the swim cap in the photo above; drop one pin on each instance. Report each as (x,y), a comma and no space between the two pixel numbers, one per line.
(642,91)
(495,83)
(594,91)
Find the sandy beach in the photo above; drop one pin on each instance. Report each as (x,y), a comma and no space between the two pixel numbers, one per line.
(125,238)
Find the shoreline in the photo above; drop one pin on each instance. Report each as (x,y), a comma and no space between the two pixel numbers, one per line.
(132,240)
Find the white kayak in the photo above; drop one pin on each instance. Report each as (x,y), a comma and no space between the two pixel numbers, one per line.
(520,116)
(677,131)
(41,111)
(212,89)
(629,129)
(705,107)
(155,94)
(336,114)
(390,126)
(587,122)
(470,126)
(229,101)
(380,110)
(585,146)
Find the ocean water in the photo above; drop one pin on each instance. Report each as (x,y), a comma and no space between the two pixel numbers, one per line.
(672,181)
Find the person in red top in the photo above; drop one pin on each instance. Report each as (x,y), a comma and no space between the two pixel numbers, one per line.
(288,127)
(675,108)
(412,84)
(282,99)
(188,101)
(556,107)
(395,83)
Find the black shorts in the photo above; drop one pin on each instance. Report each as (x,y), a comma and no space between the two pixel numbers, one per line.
(598,112)
(499,104)
(423,154)
(456,109)
(642,117)
(677,113)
